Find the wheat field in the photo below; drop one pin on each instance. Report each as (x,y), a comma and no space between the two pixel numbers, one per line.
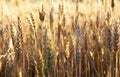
(59,38)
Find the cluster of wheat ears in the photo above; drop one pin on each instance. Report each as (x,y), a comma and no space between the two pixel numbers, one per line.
(60,39)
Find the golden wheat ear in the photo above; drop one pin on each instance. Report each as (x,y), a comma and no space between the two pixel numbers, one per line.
(112,5)
(115,39)
(42,14)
